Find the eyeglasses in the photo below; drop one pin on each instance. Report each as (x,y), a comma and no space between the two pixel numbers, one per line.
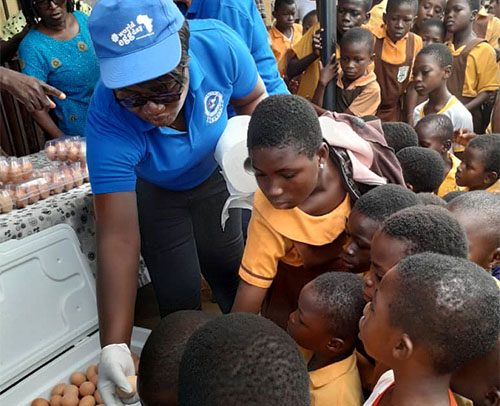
(46,3)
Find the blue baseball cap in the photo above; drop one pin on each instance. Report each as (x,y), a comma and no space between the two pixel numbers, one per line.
(135,40)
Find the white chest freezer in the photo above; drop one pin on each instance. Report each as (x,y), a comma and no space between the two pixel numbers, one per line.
(48,315)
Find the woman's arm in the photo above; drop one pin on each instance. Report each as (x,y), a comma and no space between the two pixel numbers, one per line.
(44,120)
(247,104)
(478,100)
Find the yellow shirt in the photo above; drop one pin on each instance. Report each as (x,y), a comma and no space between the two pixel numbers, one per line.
(449,183)
(310,77)
(395,53)
(492,29)
(367,102)
(271,233)
(495,188)
(376,14)
(337,384)
(280,43)
(481,72)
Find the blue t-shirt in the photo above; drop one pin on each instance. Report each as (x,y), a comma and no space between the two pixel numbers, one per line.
(69,65)
(243,17)
(122,147)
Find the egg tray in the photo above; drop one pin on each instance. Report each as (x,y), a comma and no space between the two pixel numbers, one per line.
(67,149)
(15,170)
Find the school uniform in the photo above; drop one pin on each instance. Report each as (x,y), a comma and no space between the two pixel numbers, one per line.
(487,26)
(361,97)
(474,70)
(393,67)
(376,16)
(454,109)
(280,43)
(449,183)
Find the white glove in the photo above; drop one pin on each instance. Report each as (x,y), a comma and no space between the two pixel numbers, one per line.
(115,365)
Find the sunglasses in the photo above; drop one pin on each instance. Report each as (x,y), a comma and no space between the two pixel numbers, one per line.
(46,3)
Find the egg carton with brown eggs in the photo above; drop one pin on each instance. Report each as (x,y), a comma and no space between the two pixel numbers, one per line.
(26,193)
(15,170)
(6,202)
(71,149)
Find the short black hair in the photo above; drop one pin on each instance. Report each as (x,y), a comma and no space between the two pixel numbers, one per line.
(341,296)
(399,135)
(483,207)
(448,197)
(281,121)
(441,125)
(427,228)
(430,199)
(423,168)
(30,14)
(385,200)
(489,145)
(279,3)
(242,359)
(312,13)
(394,4)
(432,23)
(162,353)
(440,52)
(358,35)
(448,306)
(367,4)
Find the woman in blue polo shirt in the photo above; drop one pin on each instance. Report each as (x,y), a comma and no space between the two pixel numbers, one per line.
(152,128)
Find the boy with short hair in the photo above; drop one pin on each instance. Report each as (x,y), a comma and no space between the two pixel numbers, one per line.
(325,325)
(430,316)
(284,33)
(432,32)
(357,90)
(423,169)
(480,167)
(479,214)
(157,380)
(366,217)
(428,10)
(350,14)
(309,20)
(435,131)
(395,51)
(399,135)
(474,75)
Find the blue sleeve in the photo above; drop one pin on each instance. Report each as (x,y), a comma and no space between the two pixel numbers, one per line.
(32,58)
(113,147)
(250,26)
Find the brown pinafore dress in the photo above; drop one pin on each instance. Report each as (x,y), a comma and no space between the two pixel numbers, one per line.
(393,80)
(456,83)
(344,97)
(480,25)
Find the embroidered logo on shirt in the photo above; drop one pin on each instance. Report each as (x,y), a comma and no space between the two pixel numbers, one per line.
(55,63)
(141,28)
(214,105)
(403,73)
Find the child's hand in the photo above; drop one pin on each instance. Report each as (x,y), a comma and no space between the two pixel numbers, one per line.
(463,136)
(329,72)
(316,43)
(293,85)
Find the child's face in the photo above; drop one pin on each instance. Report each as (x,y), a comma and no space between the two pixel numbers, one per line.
(385,252)
(428,75)
(458,15)
(285,16)
(427,138)
(471,172)
(399,21)
(309,22)
(379,337)
(351,13)
(432,35)
(354,59)
(307,325)
(430,10)
(286,177)
(494,8)
(356,251)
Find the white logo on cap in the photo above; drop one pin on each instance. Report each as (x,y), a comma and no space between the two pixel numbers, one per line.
(214,105)
(141,28)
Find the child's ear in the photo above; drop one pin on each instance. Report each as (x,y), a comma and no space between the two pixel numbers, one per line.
(495,259)
(404,348)
(492,397)
(490,177)
(367,18)
(323,151)
(447,72)
(336,345)
(446,146)
(473,15)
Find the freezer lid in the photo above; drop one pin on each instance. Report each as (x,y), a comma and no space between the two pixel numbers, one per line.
(47,300)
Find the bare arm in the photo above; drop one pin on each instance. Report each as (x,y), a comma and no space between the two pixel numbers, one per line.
(45,121)
(247,104)
(296,66)
(118,246)
(410,103)
(478,100)
(248,299)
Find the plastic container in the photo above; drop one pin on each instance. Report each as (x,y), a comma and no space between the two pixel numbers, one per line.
(6,203)
(4,170)
(14,171)
(71,149)
(26,193)
(58,334)
(26,167)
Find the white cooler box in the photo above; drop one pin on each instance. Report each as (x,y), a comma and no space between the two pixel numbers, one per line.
(48,315)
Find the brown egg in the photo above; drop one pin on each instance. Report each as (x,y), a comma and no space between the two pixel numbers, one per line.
(15,174)
(91,371)
(56,400)
(93,379)
(40,402)
(58,182)
(71,390)
(87,401)
(51,152)
(87,388)
(68,179)
(33,194)
(6,203)
(27,170)
(132,380)
(61,151)
(97,396)
(77,378)
(58,389)
(43,188)
(69,400)
(136,359)
(21,199)
(73,153)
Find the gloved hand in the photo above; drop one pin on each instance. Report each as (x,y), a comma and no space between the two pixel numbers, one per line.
(115,365)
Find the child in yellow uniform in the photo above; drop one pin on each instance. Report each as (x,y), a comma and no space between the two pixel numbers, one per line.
(376,15)
(357,90)
(480,167)
(284,33)
(350,13)
(474,76)
(487,26)
(395,51)
(432,32)
(428,10)
(325,325)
